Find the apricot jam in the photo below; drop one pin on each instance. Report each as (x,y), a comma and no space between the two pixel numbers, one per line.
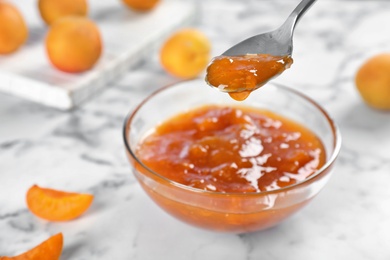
(240,75)
(232,149)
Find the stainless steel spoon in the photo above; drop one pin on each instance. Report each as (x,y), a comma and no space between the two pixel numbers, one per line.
(278,42)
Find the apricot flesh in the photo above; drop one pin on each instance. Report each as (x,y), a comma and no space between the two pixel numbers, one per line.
(13,29)
(373,81)
(74,44)
(55,205)
(186,53)
(141,5)
(50,249)
(52,10)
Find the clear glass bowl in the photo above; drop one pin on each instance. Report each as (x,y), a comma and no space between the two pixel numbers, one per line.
(229,212)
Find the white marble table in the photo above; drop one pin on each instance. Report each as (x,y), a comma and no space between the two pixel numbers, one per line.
(82,150)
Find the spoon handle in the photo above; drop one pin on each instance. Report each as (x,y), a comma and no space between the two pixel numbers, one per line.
(298,12)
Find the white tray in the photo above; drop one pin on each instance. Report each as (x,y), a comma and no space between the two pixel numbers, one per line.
(128,37)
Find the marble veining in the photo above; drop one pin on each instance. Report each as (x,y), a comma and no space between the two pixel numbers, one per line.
(82,150)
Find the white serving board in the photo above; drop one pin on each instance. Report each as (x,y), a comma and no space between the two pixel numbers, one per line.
(127,36)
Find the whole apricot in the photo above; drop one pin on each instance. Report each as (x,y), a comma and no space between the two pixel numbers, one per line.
(74,44)
(141,5)
(13,29)
(186,53)
(373,81)
(51,10)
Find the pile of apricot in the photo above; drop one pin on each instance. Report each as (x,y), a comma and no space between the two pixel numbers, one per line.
(73,43)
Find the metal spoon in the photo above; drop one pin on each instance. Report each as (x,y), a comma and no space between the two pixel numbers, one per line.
(278,42)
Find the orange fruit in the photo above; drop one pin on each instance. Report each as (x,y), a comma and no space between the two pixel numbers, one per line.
(50,249)
(52,10)
(57,205)
(373,81)
(74,44)
(13,29)
(186,53)
(141,5)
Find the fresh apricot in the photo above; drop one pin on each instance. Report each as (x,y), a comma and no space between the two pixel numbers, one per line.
(52,10)
(50,249)
(13,29)
(74,44)
(57,205)
(186,53)
(141,5)
(373,81)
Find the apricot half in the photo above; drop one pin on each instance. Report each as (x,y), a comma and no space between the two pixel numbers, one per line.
(52,10)
(13,29)
(186,53)
(50,249)
(57,205)
(74,44)
(141,5)
(373,81)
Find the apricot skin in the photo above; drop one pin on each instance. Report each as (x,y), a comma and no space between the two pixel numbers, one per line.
(373,81)
(186,53)
(52,10)
(74,44)
(141,5)
(13,29)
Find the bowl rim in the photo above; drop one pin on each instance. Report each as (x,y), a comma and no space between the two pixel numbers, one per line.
(329,162)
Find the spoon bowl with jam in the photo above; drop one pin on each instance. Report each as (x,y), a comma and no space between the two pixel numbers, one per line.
(253,62)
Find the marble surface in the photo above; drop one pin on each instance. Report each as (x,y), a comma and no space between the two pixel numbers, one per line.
(82,150)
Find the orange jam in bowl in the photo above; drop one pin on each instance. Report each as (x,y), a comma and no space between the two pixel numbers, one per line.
(230,168)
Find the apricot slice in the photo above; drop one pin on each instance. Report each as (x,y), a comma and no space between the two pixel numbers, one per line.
(74,44)
(373,81)
(141,5)
(57,205)
(50,249)
(13,29)
(186,53)
(52,10)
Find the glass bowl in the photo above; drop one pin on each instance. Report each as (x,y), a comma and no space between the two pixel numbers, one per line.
(229,212)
